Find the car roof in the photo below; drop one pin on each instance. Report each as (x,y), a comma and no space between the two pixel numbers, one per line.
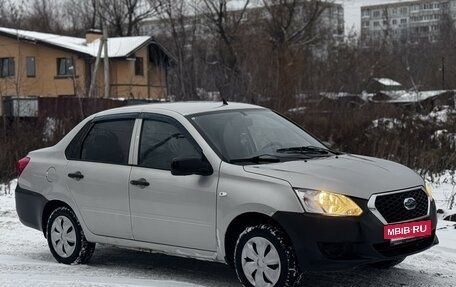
(183,108)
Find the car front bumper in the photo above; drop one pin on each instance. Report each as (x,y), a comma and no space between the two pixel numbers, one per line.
(335,243)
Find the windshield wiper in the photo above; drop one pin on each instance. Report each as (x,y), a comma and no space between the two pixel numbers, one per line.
(307,150)
(266,158)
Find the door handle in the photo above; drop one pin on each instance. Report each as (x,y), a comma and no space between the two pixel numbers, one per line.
(140,182)
(76,175)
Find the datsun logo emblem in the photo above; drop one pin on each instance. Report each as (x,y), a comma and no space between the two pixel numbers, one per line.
(410,203)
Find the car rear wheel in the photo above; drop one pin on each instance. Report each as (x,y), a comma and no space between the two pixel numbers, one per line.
(66,239)
(264,257)
(387,263)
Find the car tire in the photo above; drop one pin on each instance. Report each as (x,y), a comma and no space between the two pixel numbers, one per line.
(387,263)
(263,256)
(66,238)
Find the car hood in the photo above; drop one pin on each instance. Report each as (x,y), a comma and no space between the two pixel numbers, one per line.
(352,175)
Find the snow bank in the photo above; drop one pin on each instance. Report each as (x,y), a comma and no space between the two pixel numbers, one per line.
(387,123)
(411,96)
(439,114)
(8,188)
(26,261)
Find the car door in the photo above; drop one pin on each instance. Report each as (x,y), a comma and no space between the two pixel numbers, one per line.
(98,174)
(171,210)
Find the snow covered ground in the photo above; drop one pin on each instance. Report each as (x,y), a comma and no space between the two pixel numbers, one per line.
(26,261)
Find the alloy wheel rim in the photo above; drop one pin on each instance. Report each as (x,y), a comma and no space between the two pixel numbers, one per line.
(260,262)
(63,236)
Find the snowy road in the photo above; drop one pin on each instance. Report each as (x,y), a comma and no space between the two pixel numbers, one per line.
(26,261)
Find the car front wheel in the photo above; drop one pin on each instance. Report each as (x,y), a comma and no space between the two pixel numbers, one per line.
(264,257)
(66,239)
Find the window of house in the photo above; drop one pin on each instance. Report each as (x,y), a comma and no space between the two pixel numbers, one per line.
(108,142)
(366,13)
(394,11)
(376,24)
(404,10)
(7,67)
(64,66)
(376,13)
(161,142)
(139,66)
(365,23)
(403,21)
(30,66)
(394,22)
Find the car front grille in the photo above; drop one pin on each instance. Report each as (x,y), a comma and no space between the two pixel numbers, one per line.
(392,208)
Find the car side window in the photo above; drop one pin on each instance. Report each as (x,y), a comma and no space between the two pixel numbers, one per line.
(108,142)
(161,142)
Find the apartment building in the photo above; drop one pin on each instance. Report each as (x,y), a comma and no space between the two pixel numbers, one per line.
(331,21)
(406,22)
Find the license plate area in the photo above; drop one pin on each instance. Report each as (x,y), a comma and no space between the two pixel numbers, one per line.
(403,232)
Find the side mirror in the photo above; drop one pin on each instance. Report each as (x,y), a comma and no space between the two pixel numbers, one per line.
(189,166)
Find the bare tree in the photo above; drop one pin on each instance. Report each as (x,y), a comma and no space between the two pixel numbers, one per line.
(292,27)
(12,14)
(82,14)
(179,35)
(225,25)
(45,16)
(123,16)
(293,21)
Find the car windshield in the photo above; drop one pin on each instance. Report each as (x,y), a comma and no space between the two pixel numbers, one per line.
(256,136)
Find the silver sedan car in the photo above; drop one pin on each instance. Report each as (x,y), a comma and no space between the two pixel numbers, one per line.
(225,182)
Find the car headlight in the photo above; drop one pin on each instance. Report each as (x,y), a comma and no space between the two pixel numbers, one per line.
(428,189)
(327,203)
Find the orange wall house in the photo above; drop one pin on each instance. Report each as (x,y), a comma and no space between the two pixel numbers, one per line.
(40,64)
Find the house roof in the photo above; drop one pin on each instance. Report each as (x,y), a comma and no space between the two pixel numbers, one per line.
(117,47)
(411,96)
(387,82)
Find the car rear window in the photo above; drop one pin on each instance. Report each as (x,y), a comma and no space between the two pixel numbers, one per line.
(108,142)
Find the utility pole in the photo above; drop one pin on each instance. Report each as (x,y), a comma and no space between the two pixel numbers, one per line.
(107,82)
(443,73)
(95,70)
(75,88)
